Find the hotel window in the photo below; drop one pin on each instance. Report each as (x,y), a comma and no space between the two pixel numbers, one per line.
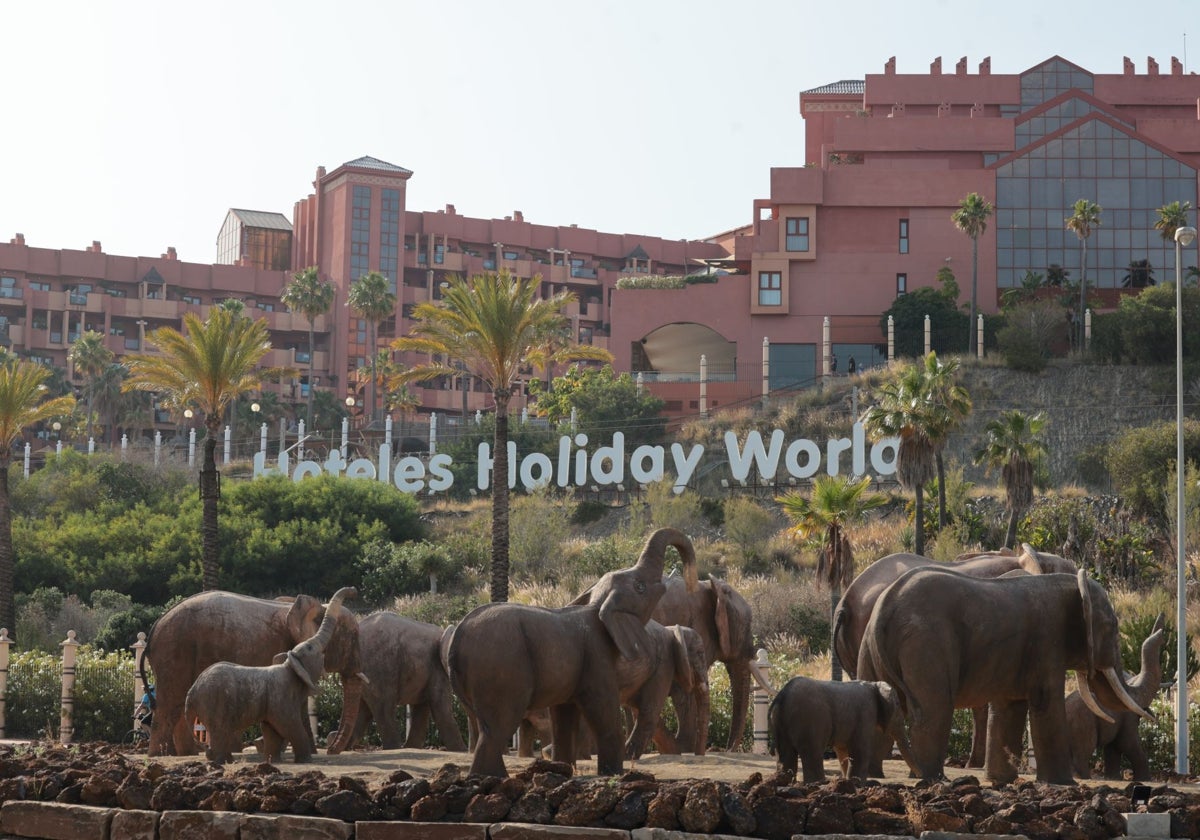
(360,233)
(901,284)
(194,300)
(770,288)
(38,286)
(439,254)
(904,236)
(797,234)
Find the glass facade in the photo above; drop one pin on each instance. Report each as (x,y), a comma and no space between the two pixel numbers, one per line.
(1095,157)
(1097,161)
(1049,79)
(360,233)
(792,366)
(389,236)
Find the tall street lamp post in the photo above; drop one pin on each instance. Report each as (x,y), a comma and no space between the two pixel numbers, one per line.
(1184,237)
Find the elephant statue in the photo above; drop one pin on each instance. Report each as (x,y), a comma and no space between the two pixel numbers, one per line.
(677,660)
(1120,738)
(721,616)
(228,698)
(506,658)
(218,626)
(944,640)
(401,659)
(858,719)
(853,611)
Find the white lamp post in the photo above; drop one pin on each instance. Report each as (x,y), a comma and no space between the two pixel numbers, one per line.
(1184,237)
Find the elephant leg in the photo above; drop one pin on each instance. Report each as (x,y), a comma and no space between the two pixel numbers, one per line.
(786,754)
(525,739)
(1048,726)
(361,722)
(301,751)
(1006,729)
(184,736)
(496,727)
(602,711)
(564,724)
(930,738)
(812,759)
(418,730)
(1112,761)
(664,741)
(979,718)
(447,726)
(1130,744)
(273,742)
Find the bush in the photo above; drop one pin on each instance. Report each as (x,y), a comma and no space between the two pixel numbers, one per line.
(1139,462)
(539,524)
(750,527)
(103,695)
(1158,737)
(390,571)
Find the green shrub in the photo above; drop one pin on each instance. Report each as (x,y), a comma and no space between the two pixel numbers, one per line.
(390,571)
(588,511)
(1139,463)
(1158,737)
(539,524)
(749,526)
(103,707)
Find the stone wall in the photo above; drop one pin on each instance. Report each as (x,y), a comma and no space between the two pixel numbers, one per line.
(1085,405)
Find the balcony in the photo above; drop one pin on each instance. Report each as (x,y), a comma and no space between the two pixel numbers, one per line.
(11,292)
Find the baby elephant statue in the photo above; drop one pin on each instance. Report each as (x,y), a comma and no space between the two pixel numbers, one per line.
(228,698)
(1120,737)
(858,719)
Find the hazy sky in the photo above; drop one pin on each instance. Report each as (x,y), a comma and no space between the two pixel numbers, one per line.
(140,123)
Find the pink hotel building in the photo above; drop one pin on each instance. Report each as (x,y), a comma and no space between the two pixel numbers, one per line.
(888,158)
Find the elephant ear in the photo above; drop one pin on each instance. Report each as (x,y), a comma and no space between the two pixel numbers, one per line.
(296,665)
(626,629)
(585,598)
(304,617)
(727,621)
(885,703)
(1085,595)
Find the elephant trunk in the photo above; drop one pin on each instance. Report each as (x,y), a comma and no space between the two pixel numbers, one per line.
(325,631)
(352,690)
(739,690)
(703,709)
(654,551)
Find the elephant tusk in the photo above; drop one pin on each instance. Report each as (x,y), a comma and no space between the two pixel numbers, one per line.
(762,681)
(360,675)
(1089,700)
(1119,687)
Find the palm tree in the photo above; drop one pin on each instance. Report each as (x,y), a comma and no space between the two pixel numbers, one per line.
(90,356)
(836,503)
(1084,217)
(107,395)
(312,297)
(948,404)
(1171,217)
(493,324)
(372,299)
(205,369)
(971,218)
(22,403)
(902,410)
(1014,446)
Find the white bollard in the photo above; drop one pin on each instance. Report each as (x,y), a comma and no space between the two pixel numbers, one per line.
(5,644)
(761,704)
(66,726)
